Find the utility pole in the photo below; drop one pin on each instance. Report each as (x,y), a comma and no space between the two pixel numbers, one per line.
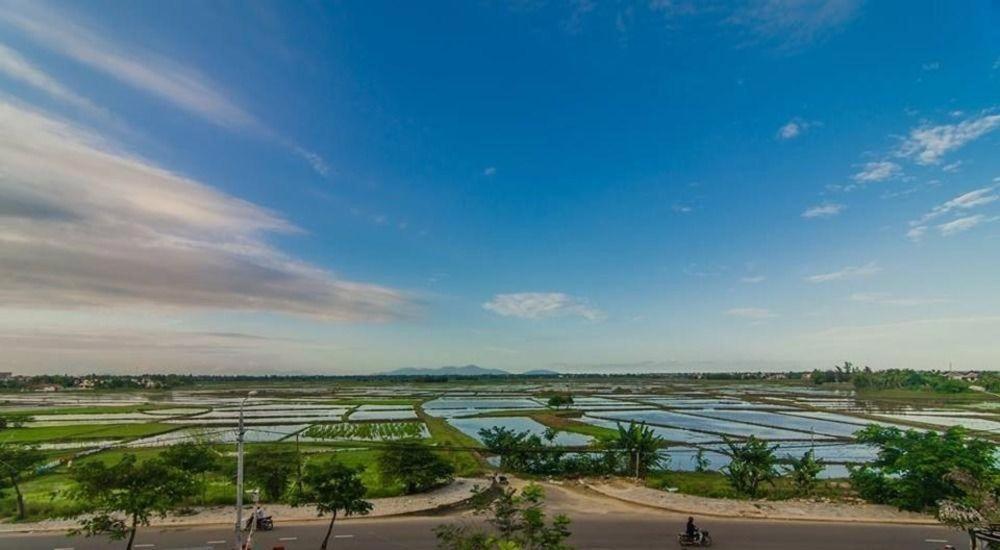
(239,473)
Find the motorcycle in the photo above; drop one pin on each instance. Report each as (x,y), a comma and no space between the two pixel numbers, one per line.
(701,539)
(263,524)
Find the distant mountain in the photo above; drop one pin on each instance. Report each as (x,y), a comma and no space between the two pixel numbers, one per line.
(467,370)
(540,372)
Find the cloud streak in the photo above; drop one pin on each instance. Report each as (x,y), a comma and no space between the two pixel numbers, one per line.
(966,201)
(16,67)
(877,171)
(847,273)
(754,313)
(83,225)
(539,305)
(929,144)
(828,210)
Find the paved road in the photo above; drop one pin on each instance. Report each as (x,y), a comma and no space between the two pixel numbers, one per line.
(598,523)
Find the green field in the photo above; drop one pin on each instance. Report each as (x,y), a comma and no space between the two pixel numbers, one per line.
(46,434)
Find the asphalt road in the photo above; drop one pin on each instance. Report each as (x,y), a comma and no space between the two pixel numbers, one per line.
(598,523)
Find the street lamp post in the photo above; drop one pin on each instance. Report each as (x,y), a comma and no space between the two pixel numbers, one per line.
(239,474)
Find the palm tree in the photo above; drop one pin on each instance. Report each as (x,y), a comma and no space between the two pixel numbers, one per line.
(640,445)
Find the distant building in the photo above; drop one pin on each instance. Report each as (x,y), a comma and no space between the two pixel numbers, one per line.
(6,375)
(969,376)
(49,388)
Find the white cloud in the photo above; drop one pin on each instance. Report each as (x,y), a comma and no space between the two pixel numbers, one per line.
(794,22)
(962,225)
(790,130)
(753,280)
(179,85)
(537,305)
(966,201)
(84,225)
(916,233)
(828,210)
(928,144)
(489,171)
(847,273)
(317,162)
(931,66)
(877,171)
(754,313)
(16,67)
(884,298)
(952,166)
(794,128)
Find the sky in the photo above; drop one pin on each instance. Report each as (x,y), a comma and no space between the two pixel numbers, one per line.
(354,187)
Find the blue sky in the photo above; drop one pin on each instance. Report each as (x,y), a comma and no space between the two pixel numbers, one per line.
(354,187)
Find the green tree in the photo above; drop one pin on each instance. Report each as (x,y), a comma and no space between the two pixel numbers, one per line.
(752,462)
(15,462)
(195,458)
(271,468)
(805,472)
(977,508)
(912,468)
(560,400)
(415,466)
(700,461)
(129,488)
(334,488)
(517,522)
(518,451)
(639,446)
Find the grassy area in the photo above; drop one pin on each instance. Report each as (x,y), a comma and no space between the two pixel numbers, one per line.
(715,485)
(925,396)
(466,463)
(567,423)
(43,434)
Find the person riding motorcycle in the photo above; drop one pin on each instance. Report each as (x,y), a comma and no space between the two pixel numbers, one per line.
(691,530)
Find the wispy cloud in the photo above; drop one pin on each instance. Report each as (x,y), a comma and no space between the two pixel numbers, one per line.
(966,201)
(489,171)
(175,83)
(962,225)
(794,128)
(82,224)
(537,305)
(827,210)
(847,273)
(877,171)
(16,67)
(794,22)
(156,75)
(885,298)
(752,280)
(928,144)
(754,313)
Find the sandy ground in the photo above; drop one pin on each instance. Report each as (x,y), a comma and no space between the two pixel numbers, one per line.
(796,509)
(450,495)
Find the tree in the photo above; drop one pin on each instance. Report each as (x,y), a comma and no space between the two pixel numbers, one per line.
(805,472)
(560,400)
(271,468)
(136,490)
(701,461)
(977,509)
(912,468)
(194,458)
(15,462)
(334,488)
(752,463)
(415,466)
(640,446)
(518,451)
(12,420)
(517,522)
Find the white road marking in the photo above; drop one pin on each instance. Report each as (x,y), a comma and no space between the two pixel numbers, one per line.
(216,542)
(67,548)
(936,540)
(285,539)
(343,536)
(143,545)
